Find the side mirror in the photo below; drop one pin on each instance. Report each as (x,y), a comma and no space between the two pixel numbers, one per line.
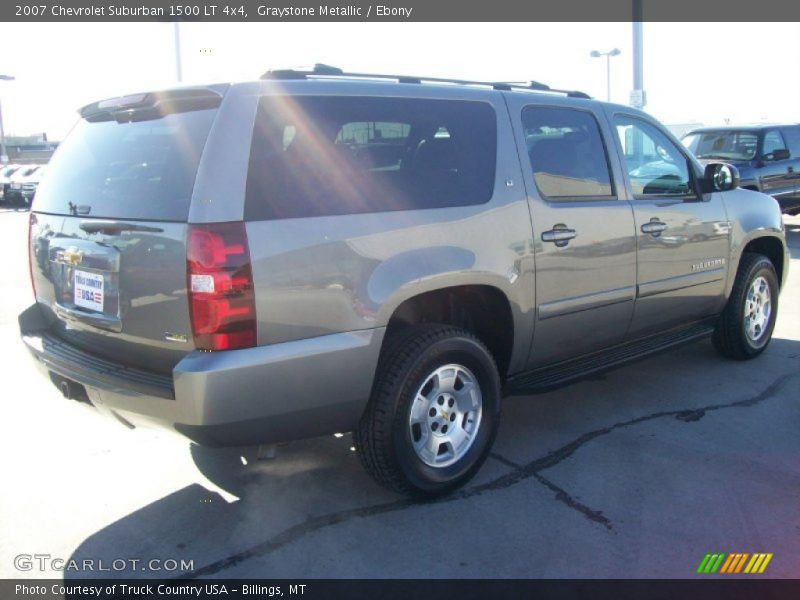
(721,177)
(780,154)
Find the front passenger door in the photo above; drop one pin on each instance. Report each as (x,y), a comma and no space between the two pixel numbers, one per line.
(682,236)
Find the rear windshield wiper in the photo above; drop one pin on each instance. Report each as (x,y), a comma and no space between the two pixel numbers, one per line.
(112,227)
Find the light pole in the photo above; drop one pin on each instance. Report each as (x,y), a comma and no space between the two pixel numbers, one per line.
(608,55)
(178,65)
(3,156)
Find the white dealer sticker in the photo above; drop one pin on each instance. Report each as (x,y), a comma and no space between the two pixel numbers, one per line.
(89,290)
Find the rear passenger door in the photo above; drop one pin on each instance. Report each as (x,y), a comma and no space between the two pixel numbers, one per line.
(777,172)
(683,236)
(584,241)
(792,136)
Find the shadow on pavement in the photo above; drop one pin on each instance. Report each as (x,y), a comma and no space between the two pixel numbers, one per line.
(316,484)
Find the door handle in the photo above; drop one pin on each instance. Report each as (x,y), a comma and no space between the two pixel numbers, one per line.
(560,235)
(654,227)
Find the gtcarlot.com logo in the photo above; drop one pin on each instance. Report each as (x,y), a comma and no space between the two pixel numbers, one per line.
(47,562)
(728,564)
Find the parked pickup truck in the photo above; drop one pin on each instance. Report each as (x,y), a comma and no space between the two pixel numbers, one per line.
(767,156)
(320,252)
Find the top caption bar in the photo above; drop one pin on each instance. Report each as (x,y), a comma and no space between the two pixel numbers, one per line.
(400,10)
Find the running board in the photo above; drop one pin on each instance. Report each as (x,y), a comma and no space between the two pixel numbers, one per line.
(554,376)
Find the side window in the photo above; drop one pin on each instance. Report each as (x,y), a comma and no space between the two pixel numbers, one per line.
(566,153)
(792,136)
(334,155)
(773,141)
(655,165)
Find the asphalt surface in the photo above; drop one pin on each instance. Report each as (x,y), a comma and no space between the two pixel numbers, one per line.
(636,473)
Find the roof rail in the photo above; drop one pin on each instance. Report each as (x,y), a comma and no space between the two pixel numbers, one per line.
(321,70)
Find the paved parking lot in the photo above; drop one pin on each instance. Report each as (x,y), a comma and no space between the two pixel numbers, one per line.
(636,473)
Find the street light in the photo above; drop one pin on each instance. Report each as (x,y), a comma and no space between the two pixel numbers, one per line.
(608,55)
(3,156)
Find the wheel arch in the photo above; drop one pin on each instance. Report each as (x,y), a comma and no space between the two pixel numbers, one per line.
(766,243)
(484,310)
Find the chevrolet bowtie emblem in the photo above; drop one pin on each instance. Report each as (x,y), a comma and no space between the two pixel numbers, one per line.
(72,256)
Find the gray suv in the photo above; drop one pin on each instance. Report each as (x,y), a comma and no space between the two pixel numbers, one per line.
(320,252)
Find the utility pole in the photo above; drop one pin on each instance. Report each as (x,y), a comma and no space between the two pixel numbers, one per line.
(3,155)
(178,67)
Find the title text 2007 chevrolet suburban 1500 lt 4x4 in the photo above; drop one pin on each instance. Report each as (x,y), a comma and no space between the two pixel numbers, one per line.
(318,252)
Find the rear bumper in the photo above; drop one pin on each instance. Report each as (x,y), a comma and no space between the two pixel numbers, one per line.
(266,394)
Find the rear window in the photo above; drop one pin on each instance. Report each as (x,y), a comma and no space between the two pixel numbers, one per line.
(127,170)
(332,155)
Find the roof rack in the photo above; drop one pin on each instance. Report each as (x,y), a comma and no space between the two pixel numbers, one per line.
(326,71)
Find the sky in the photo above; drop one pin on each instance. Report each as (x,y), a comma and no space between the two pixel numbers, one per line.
(705,73)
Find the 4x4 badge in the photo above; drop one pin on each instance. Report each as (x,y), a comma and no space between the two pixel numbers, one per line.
(176,337)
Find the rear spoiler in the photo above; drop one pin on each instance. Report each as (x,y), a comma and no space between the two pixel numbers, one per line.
(153,105)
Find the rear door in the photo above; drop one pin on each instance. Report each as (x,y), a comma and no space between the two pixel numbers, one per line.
(682,236)
(584,242)
(777,170)
(791,135)
(108,229)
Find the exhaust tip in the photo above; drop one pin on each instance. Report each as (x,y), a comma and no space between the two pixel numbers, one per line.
(65,390)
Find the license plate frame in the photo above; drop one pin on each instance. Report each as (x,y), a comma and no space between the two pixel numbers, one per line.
(88,290)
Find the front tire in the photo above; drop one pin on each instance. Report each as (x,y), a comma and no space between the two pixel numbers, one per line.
(433,414)
(745,327)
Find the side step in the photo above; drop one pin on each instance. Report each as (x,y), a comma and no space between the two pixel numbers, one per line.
(554,376)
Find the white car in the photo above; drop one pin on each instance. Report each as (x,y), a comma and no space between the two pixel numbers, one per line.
(13,189)
(31,182)
(6,172)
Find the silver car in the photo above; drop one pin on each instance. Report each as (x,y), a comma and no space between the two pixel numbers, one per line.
(320,252)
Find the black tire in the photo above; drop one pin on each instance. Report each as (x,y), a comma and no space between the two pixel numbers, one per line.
(384,438)
(730,336)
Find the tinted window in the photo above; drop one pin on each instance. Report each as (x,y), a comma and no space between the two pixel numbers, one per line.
(654,163)
(773,141)
(566,153)
(324,155)
(792,136)
(128,170)
(724,145)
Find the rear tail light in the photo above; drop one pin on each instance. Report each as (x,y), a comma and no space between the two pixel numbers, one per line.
(31,258)
(220,284)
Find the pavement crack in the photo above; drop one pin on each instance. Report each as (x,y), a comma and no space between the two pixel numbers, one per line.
(562,496)
(690,415)
(296,532)
(556,456)
(518,474)
(502,459)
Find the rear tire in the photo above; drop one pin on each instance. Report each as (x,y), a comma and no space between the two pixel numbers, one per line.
(433,414)
(745,327)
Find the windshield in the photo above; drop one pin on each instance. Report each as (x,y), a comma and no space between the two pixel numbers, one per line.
(127,170)
(727,145)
